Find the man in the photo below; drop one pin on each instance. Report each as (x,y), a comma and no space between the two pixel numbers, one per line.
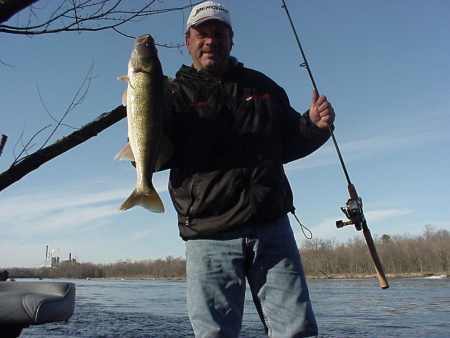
(233,128)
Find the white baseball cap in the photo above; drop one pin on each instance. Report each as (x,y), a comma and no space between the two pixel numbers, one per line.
(208,10)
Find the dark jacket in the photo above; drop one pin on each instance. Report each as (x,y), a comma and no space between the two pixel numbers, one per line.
(231,136)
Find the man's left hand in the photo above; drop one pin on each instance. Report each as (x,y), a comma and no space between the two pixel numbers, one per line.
(321,112)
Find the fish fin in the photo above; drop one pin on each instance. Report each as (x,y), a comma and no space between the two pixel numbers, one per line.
(124,98)
(124,94)
(126,153)
(149,200)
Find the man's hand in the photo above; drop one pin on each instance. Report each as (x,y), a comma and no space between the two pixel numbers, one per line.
(321,112)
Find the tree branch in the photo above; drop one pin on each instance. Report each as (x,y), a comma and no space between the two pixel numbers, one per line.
(35,160)
(88,16)
(9,8)
(28,145)
(2,143)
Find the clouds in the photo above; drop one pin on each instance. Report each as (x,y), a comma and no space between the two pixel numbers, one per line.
(45,212)
(384,214)
(364,148)
(78,218)
(64,208)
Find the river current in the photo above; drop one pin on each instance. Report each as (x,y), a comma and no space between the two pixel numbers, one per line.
(415,307)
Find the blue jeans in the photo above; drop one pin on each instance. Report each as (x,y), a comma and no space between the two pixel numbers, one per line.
(267,256)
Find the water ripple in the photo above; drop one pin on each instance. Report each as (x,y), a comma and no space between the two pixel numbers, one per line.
(344,308)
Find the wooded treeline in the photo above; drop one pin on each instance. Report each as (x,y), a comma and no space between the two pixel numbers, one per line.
(428,253)
(168,267)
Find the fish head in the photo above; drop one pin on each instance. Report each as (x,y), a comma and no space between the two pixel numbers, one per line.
(144,53)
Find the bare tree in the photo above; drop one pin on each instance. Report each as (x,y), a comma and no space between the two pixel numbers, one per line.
(77,15)
(35,160)
(9,8)
(68,16)
(2,143)
(424,254)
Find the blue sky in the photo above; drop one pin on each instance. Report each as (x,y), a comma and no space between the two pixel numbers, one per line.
(383,64)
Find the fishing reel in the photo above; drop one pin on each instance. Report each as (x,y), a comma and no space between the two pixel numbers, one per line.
(354,212)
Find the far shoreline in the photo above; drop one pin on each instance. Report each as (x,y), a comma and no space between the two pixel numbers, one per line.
(442,275)
(438,275)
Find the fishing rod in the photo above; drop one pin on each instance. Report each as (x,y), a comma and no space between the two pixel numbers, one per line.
(354,206)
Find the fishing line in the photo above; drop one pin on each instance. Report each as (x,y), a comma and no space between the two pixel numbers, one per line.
(305,65)
(354,206)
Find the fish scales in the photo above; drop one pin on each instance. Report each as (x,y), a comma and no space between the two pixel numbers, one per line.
(144,103)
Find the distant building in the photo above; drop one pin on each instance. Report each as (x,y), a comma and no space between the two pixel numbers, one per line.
(55,262)
(52,260)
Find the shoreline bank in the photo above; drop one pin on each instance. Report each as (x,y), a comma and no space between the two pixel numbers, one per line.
(308,277)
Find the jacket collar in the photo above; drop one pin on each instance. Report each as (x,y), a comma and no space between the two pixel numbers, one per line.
(190,73)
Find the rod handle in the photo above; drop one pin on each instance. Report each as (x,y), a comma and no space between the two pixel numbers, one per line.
(382,281)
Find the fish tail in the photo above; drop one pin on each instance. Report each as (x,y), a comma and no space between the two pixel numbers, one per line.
(149,200)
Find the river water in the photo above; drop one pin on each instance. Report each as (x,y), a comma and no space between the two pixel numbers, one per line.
(344,308)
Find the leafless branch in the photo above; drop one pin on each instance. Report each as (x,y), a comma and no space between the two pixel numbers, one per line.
(9,8)
(44,105)
(165,45)
(2,143)
(85,16)
(27,146)
(41,156)
(75,11)
(17,143)
(77,99)
(72,16)
(6,64)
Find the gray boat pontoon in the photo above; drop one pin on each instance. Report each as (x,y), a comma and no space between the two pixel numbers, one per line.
(30,303)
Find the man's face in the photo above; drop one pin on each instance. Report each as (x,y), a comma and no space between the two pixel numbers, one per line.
(209,44)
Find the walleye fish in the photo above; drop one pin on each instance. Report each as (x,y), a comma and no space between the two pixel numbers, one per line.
(145,105)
